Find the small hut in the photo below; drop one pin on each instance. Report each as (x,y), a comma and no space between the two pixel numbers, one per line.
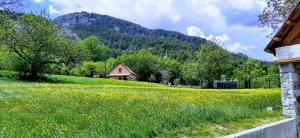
(122,72)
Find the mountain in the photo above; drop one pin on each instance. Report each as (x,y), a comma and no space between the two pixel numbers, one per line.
(124,36)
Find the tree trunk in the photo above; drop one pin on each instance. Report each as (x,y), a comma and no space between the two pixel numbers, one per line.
(210,84)
(34,72)
(248,84)
(91,73)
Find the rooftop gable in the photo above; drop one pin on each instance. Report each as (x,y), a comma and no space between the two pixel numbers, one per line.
(123,66)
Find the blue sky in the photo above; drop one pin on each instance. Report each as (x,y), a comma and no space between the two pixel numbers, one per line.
(232,22)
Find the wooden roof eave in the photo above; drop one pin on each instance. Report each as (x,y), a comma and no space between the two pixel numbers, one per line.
(284,30)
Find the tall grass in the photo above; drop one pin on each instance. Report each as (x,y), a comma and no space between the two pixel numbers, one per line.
(86,107)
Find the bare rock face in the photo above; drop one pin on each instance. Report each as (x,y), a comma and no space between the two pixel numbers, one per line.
(68,33)
(74,19)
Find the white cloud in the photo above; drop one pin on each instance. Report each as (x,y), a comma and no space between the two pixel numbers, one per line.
(223,38)
(239,48)
(209,11)
(261,3)
(242,4)
(52,10)
(139,11)
(247,5)
(175,17)
(196,31)
(38,1)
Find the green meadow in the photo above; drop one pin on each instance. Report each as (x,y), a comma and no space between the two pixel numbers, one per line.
(67,106)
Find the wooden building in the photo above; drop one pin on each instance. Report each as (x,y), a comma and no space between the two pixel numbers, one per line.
(285,45)
(122,72)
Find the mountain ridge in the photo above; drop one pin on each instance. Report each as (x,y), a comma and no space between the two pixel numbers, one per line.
(130,28)
(124,36)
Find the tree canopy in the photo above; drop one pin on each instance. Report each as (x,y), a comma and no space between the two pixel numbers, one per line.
(275,13)
(212,62)
(98,51)
(35,41)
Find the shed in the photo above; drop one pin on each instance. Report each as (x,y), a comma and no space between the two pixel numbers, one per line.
(122,72)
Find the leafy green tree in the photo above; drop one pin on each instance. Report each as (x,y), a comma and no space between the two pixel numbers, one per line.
(212,63)
(98,50)
(272,78)
(34,40)
(177,81)
(189,73)
(89,69)
(170,69)
(74,54)
(59,69)
(152,78)
(165,76)
(249,72)
(6,59)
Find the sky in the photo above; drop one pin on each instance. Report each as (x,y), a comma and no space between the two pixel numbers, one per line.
(232,22)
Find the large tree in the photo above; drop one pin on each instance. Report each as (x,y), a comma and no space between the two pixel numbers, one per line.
(212,62)
(275,13)
(98,51)
(248,72)
(35,41)
(189,73)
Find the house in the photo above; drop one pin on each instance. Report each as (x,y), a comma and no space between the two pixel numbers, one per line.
(122,72)
(285,45)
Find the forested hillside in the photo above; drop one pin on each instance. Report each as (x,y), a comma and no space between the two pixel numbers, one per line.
(123,36)
(97,43)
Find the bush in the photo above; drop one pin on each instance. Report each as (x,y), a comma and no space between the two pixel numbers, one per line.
(9,74)
(59,69)
(88,69)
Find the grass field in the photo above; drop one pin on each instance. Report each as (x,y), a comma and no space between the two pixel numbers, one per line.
(86,107)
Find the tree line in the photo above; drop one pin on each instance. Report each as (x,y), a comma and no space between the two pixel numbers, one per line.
(34,46)
(211,63)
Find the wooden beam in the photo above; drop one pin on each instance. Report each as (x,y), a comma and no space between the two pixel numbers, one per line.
(297,65)
(292,34)
(277,39)
(291,60)
(291,23)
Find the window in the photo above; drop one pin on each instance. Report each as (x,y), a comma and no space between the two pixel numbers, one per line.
(120,70)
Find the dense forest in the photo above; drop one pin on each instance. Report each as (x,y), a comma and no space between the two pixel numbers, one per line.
(123,37)
(85,44)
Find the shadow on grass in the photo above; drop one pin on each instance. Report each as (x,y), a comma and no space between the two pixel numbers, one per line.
(13,75)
